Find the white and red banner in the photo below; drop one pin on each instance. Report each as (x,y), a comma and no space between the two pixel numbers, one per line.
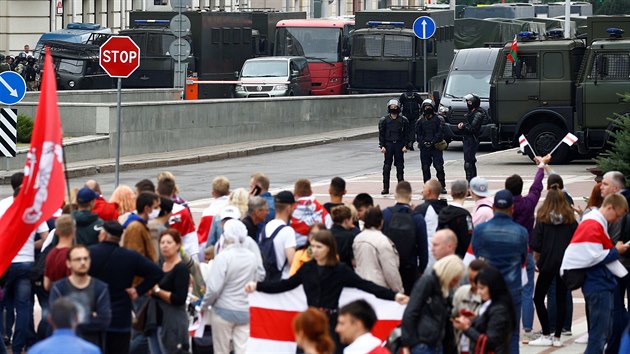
(272,315)
(570,139)
(43,187)
(523,143)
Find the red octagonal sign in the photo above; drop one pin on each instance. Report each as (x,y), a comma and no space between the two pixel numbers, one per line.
(119,56)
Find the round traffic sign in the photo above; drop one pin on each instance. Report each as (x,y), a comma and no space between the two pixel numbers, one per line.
(181,5)
(424,27)
(179,49)
(12,87)
(119,56)
(180,25)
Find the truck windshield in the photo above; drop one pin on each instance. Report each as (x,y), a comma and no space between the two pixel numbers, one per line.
(461,83)
(72,66)
(376,45)
(271,68)
(314,43)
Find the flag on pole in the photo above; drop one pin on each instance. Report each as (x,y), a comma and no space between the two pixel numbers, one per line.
(513,54)
(522,142)
(570,139)
(43,186)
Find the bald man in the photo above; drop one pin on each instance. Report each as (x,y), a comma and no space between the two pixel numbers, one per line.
(443,244)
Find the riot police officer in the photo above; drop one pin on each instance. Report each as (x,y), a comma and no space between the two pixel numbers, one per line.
(470,128)
(428,133)
(410,102)
(394,134)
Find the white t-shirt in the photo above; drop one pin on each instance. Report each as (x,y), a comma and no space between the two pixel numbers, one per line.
(284,239)
(27,253)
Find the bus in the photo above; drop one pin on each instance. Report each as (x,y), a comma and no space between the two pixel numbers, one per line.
(325,44)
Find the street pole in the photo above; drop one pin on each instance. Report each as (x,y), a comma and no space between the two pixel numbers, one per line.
(118,119)
(424,64)
(567,19)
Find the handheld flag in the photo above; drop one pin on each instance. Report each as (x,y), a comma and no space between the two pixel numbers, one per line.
(522,142)
(43,186)
(513,54)
(569,139)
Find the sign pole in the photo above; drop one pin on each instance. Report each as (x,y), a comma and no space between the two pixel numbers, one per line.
(424,64)
(118,119)
(424,28)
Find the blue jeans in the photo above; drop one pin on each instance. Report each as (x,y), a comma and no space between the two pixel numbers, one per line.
(528,295)
(426,349)
(517,296)
(600,307)
(19,292)
(620,317)
(551,307)
(155,344)
(6,323)
(139,343)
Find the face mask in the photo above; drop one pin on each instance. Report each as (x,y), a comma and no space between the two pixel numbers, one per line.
(428,111)
(409,93)
(394,110)
(470,107)
(154,214)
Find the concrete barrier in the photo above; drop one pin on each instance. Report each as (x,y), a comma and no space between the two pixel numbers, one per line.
(106,96)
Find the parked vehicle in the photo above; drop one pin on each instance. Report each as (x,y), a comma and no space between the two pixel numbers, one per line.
(274,76)
(73,33)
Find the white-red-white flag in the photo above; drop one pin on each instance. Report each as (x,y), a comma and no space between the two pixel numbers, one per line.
(570,139)
(522,142)
(43,186)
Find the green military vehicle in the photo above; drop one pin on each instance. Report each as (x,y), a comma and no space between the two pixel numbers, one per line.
(562,85)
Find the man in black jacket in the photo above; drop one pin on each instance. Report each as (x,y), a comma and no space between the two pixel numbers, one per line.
(457,218)
(470,128)
(428,133)
(410,102)
(393,136)
(117,266)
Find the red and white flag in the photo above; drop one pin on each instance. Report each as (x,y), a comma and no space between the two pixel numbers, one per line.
(44,183)
(271,317)
(570,139)
(522,142)
(182,221)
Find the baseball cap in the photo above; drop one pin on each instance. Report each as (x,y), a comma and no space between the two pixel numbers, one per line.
(230,212)
(86,195)
(284,197)
(112,227)
(503,199)
(479,186)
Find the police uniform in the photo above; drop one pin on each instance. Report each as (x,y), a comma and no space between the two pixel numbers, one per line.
(428,133)
(393,135)
(410,103)
(471,127)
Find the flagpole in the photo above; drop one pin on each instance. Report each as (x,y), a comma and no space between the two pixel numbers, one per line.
(557,146)
(65,172)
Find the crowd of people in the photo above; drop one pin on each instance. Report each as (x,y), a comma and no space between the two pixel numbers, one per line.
(124,275)
(24,64)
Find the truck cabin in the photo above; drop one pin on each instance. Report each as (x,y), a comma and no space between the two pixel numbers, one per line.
(76,66)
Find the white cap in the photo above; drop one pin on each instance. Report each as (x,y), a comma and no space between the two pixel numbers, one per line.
(230,212)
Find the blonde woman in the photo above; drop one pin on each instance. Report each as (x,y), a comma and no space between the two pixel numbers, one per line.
(426,318)
(238,198)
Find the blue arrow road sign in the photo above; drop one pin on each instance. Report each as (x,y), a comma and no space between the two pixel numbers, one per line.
(12,87)
(424,27)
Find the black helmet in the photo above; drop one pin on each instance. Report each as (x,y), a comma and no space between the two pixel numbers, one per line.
(474,100)
(427,102)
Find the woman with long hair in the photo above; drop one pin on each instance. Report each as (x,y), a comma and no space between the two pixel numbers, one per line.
(238,198)
(425,321)
(311,331)
(323,279)
(304,253)
(491,330)
(125,198)
(555,225)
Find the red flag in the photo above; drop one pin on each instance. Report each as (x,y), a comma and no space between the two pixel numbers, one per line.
(513,54)
(43,187)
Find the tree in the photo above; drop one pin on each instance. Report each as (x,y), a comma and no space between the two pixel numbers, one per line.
(614,7)
(617,158)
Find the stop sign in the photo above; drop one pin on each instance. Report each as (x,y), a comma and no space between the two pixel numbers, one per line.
(119,56)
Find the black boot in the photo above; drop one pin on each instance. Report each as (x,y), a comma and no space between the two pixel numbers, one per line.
(471,171)
(400,176)
(441,177)
(386,171)
(426,173)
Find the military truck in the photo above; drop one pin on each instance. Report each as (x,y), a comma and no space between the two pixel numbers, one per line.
(562,85)
(386,55)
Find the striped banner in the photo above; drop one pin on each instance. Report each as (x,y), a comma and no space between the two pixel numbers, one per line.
(8,132)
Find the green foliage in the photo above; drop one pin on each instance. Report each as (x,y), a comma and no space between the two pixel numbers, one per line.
(617,158)
(614,7)
(24,128)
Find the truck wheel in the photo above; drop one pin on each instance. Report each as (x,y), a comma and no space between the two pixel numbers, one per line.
(544,137)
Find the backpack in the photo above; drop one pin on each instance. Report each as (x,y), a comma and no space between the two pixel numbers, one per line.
(268,252)
(402,231)
(37,272)
(461,224)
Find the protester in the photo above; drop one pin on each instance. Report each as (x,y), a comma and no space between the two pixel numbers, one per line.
(124,197)
(344,231)
(456,218)
(491,330)
(105,210)
(336,190)
(467,300)
(64,318)
(304,253)
(307,211)
(238,199)
(221,194)
(85,218)
(180,218)
(56,268)
(161,223)
(145,185)
(444,243)
(259,186)
(281,236)
(480,193)
(311,331)
(137,236)
(257,211)
(175,195)
(426,318)
(555,225)
(594,200)
(362,202)
(354,324)
(430,209)
(376,257)
(89,294)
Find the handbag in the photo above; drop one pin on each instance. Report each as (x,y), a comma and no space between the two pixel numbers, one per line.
(441,145)
(140,320)
(480,347)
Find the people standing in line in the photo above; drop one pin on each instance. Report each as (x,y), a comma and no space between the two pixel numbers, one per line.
(312,332)
(64,318)
(480,194)
(470,128)
(504,245)
(467,300)
(376,257)
(90,294)
(555,225)
(492,328)
(323,279)
(394,134)
(355,321)
(117,267)
(428,133)
(410,102)
(426,317)
(168,299)
(336,190)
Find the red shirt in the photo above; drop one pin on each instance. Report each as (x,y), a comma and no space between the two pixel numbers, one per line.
(55,267)
(105,210)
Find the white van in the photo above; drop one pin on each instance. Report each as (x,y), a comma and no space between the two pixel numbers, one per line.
(274,76)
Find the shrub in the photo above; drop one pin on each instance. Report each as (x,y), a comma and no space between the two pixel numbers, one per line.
(24,128)
(617,158)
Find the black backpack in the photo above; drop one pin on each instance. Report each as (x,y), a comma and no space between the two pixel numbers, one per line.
(461,224)
(268,252)
(37,272)
(402,231)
